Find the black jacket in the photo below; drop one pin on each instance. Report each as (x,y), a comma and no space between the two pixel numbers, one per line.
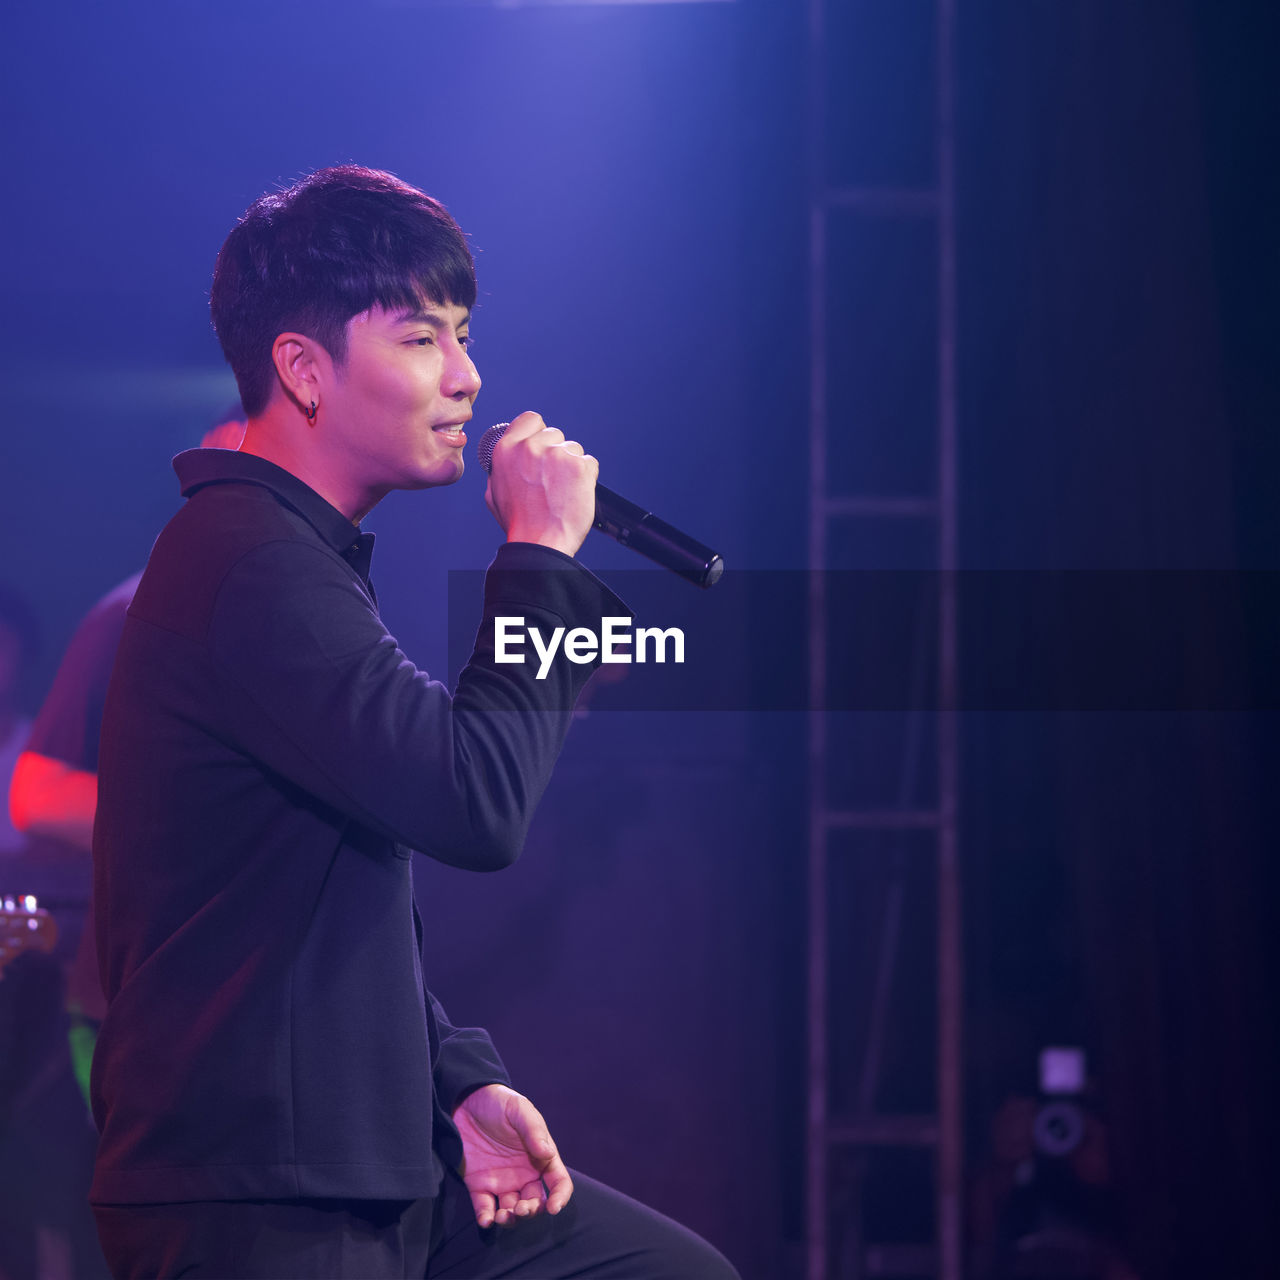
(269,758)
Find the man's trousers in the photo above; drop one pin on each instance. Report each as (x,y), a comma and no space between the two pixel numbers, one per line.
(599,1235)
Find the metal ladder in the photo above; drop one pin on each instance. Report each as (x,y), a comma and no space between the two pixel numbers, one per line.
(844,1130)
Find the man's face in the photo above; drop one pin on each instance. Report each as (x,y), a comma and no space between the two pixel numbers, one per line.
(395,408)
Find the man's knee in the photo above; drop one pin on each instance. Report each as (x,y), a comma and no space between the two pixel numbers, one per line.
(644,1243)
(692,1258)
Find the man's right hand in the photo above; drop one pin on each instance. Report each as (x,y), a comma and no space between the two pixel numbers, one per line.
(542,487)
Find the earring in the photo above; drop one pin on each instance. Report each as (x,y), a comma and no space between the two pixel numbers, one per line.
(311,414)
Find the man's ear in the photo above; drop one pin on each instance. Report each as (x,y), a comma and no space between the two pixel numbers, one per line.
(303,366)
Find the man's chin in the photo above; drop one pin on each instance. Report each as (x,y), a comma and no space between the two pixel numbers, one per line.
(441,472)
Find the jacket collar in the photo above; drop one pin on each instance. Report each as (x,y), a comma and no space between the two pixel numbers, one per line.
(197,468)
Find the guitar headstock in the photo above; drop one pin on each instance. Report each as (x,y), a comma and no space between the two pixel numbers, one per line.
(24,926)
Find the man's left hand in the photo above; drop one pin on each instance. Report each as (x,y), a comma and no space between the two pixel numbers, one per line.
(510,1164)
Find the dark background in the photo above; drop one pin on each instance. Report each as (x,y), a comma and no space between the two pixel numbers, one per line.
(632,178)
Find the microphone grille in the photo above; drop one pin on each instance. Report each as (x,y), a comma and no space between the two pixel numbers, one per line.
(484,450)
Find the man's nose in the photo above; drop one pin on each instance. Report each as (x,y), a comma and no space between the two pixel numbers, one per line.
(461,377)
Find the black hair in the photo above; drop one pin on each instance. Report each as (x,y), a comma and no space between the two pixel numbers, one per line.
(333,245)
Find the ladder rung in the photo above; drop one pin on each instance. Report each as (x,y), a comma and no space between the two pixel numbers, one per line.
(916,201)
(884,1131)
(882,819)
(869,506)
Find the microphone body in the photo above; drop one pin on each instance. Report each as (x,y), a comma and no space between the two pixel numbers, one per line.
(632,526)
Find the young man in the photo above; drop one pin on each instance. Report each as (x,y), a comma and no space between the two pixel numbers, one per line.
(278,1093)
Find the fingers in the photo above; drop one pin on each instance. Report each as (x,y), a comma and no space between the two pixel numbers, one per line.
(485,1208)
(532,1197)
(523,426)
(530,428)
(508,1207)
(528,1203)
(514,1207)
(558,1184)
(590,463)
(542,486)
(529,425)
(511,1208)
(527,1120)
(532,1129)
(507,1203)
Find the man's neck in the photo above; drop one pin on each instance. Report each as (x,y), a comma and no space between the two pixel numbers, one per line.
(275,438)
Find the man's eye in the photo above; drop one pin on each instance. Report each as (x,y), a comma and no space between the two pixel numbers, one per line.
(422,342)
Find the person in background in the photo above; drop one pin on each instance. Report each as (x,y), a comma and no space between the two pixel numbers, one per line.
(54,789)
(47,1138)
(17,641)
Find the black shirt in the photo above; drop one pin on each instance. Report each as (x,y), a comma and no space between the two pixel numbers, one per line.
(269,758)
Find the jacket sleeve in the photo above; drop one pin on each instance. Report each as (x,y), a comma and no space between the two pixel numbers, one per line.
(462,1058)
(318,692)
(464,1061)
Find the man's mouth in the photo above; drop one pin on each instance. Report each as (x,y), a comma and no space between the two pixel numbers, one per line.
(453,429)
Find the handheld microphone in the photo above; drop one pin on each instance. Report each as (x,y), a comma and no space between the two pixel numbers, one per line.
(634,527)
